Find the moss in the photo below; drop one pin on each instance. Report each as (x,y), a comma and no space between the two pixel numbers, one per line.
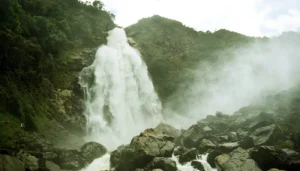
(8,131)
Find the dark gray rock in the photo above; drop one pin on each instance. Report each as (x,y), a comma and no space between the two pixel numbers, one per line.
(70,160)
(187,156)
(168,130)
(10,163)
(180,150)
(237,160)
(197,165)
(165,164)
(241,134)
(191,137)
(205,145)
(257,124)
(143,149)
(268,157)
(52,166)
(50,156)
(264,135)
(92,150)
(31,162)
(228,147)
(232,136)
(211,157)
(207,129)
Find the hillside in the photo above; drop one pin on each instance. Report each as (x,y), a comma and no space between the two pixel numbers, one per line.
(44,45)
(170,49)
(173,52)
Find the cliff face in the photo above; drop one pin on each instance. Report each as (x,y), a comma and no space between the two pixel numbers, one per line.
(44,45)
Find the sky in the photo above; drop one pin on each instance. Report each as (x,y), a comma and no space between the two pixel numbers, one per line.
(249,17)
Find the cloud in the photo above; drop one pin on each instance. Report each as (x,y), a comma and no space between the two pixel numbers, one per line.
(250,17)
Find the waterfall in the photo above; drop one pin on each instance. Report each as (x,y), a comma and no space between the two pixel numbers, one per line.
(120,98)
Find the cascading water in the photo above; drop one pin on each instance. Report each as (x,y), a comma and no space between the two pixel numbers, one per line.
(120,97)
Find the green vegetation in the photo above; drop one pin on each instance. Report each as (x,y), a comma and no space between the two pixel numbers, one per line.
(36,40)
(171,49)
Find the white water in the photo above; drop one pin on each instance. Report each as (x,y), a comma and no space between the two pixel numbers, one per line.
(187,167)
(102,164)
(120,97)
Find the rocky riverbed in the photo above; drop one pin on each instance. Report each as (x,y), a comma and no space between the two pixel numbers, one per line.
(257,137)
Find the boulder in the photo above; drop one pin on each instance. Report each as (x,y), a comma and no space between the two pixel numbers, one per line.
(274,169)
(257,124)
(52,166)
(211,157)
(241,134)
(205,145)
(191,137)
(232,136)
(168,130)
(228,147)
(92,150)
(180,150)
(31,162)
(70,159)
(187,156)
(264,135)
(10,163)
(50,156)
(165,164)
(268,157)
(197,165)
(237,160)
(143,149)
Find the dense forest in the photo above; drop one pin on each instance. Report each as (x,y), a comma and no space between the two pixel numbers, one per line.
(173,51)
(37,40)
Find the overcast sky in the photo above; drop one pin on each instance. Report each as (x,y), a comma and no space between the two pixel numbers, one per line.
(250,17)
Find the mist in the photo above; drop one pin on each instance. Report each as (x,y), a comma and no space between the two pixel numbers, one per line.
(252,72)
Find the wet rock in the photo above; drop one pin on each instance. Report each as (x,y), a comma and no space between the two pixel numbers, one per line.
(268,157)
(180,150)
(165,164)
(228,147)
(273,169)
(246,142)
(257,124)
(10,163)
(241,134)
(205,145)
(117,155)
(52,166)
(143,149)
(220,125)
(191,137)
(237,160)
(33,142)
(92,150)
(211,157)
(70,160)
(168,130)
(223,138)
(232,136)
(264,135)
(207,129)
(187,156)
(50,155)
(31,162)
(66,93)
(197,165)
